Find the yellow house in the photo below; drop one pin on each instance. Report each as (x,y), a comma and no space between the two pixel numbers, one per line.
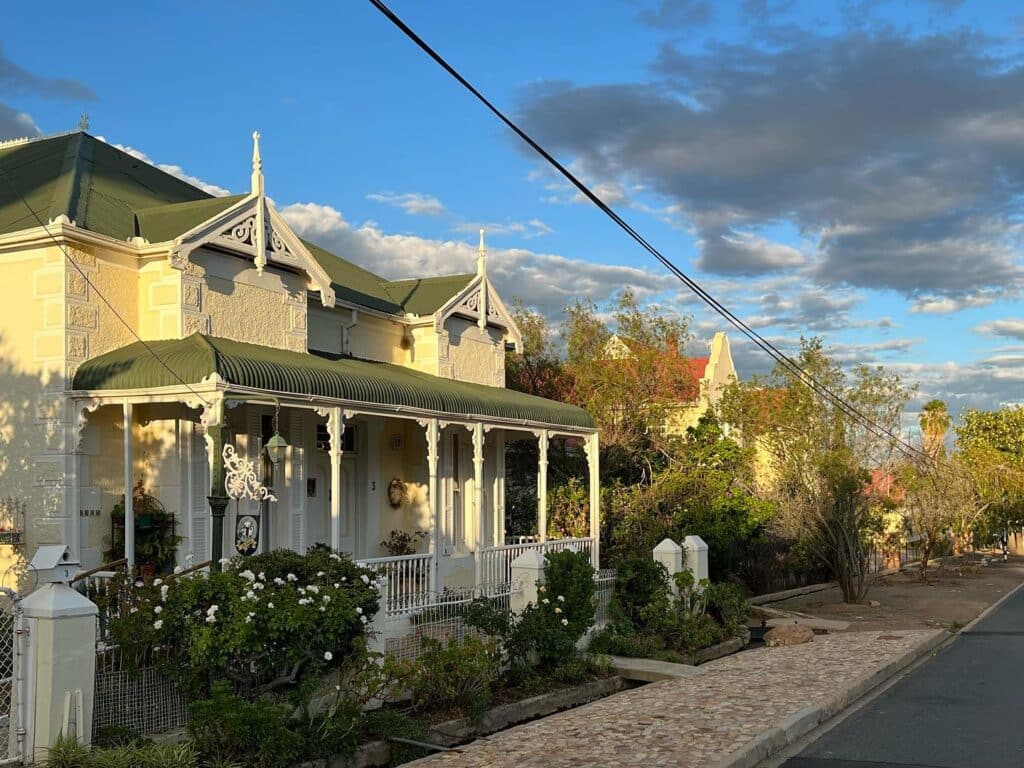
(147,326)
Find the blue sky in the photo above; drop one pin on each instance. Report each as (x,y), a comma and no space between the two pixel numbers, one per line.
(850,169)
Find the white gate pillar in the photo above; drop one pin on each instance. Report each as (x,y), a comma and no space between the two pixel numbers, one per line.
(62,667)
(527,576)
(696,558)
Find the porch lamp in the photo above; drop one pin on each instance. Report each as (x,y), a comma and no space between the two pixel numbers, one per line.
(276,445)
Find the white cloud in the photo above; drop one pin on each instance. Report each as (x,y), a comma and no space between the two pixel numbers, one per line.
(413,203)
(1010,327)
(544,280)
(531,228)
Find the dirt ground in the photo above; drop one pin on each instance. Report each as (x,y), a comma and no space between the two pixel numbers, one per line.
(952,596)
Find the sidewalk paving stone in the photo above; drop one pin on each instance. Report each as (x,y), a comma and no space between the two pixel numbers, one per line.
(693,721)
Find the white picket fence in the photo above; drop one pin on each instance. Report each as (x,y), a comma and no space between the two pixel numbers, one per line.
(408,579)
(496,562)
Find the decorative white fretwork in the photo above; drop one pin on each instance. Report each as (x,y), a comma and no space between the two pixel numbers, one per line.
(240,481)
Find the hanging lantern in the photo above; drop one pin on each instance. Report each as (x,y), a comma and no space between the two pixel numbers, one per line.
(276,445)
(275,448)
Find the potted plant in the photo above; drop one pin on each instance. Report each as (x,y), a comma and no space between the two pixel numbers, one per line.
(156,541)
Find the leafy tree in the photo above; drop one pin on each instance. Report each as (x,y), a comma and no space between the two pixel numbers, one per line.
(938,498)
(630,391)
(991,450)
(538,369)
(819,457)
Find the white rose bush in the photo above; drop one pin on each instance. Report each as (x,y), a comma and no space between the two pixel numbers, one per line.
(265,624)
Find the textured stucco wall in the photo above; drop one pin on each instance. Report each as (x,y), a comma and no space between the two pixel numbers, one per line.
(225,296)
(475,355)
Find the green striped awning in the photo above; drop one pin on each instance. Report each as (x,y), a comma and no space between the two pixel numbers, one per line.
(251,366)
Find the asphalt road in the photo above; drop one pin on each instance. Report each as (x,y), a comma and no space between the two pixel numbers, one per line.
(962,709)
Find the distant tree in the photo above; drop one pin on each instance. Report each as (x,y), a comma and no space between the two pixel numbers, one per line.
(629,395)
(990,445)
(538,369)
(821,457)
(939,499)
(935,423)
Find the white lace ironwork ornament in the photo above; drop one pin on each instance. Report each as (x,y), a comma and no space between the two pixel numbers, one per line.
(241,481)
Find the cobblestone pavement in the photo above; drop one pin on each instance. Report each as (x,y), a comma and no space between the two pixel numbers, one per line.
(691,721)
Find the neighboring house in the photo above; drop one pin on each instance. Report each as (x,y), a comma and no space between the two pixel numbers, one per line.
(702,380)
(146,324)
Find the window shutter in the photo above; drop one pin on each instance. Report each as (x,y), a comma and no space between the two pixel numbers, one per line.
(298,489)
(199,488)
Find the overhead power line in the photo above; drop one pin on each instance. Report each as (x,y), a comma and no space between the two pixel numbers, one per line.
(766,346)
(96,290)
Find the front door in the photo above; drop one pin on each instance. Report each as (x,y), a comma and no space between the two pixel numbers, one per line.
(318,502)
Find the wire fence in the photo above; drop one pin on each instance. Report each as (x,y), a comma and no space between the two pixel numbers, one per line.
(140,699)
(407,633)
(883,560)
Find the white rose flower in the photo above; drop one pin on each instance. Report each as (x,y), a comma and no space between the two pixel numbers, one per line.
(158,623)
(279,581)
(565,622)
(545,601)
(359,610)
(248,575)
(178,569)
(292,577)
(211,619)
(365,578)
(313,588)
(328,655)
(561,598)
(270,605)
(320,574)
(362,619)
(262,576)
(558,610)
(326,598)
(158,609)
(157,582)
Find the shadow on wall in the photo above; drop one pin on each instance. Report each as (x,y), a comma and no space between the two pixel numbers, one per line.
(30,414)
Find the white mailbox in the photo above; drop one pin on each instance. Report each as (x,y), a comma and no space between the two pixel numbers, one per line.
(54,564)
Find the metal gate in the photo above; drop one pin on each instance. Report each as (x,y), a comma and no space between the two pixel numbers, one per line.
(12,678)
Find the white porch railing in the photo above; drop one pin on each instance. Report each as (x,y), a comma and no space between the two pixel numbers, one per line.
(496,562)
(408,579)
(533,538)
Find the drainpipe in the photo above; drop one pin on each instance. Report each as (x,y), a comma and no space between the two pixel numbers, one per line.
(346,341)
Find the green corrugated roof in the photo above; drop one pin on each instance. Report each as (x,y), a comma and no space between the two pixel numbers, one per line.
(94,184)
(426,295)
(276,370)
(108,191)
(166,222)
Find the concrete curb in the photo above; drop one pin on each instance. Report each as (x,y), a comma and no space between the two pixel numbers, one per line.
(802,722)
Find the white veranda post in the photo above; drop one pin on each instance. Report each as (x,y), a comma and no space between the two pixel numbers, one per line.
(129,511)
(335,429)
(478,498)
(434,543)
(542,484)
(594,470)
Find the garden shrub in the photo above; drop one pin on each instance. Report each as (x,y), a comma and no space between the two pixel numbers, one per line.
(387,724)
(68,753)
(271,622)
(546,634)
(259,733)
(641,592)
(728,605)
(648,620)
(461,673)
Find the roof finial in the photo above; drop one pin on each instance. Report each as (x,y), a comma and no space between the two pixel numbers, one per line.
(257,165)
(481,258)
